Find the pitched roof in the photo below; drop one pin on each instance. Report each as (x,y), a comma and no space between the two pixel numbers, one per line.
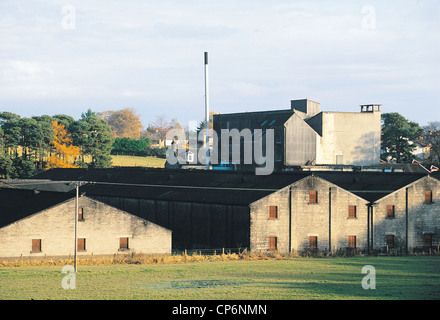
(371,186)
(224,187)
(176,185)
(16,204)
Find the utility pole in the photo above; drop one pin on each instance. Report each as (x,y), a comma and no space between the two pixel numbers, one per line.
(76,184)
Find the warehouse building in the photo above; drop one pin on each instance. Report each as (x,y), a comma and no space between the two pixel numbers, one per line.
(285,211)
(37,224)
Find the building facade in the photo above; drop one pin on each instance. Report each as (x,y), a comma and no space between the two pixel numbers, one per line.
(305,135)
(370,212)
(408,219)
(102,230)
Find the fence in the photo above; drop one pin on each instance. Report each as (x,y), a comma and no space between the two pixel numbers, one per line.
(211,252)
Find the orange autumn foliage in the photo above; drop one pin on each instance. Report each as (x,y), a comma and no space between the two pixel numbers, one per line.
(64,152)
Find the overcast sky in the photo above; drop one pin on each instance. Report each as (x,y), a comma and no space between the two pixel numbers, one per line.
(69,56)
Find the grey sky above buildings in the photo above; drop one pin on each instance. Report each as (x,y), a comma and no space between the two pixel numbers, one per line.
(68,56)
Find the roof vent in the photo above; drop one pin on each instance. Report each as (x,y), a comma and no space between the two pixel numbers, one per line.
(371,107)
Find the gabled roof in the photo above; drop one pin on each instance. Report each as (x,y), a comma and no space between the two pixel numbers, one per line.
(16,204)
(217,187)
(371,185)
(222,187)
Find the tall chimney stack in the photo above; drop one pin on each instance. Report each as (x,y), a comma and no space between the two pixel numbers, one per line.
(206,112)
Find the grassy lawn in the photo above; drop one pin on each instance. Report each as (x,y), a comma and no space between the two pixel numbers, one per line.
(132,161)
(408,278)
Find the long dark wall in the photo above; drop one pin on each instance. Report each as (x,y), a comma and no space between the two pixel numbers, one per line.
(194,225)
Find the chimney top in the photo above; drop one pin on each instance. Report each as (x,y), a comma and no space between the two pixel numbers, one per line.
(371,107)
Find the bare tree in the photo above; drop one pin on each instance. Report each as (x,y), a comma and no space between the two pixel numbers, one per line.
(431,139)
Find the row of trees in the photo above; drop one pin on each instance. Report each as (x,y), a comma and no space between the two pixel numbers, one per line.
(28,145)
(401,137)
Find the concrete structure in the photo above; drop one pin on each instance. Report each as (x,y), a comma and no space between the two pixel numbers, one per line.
(305,135)
(285,211)
(35,224)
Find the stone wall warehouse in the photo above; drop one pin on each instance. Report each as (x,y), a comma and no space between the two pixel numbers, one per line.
(102,230)
(287,211)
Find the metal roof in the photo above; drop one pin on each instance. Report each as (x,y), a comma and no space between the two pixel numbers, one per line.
(223,187)
(16,204)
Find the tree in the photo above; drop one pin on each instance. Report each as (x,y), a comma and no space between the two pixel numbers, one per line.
(399,137)
(124,123)
(64,153)
(9,123)
(6,168)
(128,146)
(158,130)
(42,147)
(63,119)
(95,139)
(431,139)
(5,159)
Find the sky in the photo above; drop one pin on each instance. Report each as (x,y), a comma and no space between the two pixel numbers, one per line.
(65,57)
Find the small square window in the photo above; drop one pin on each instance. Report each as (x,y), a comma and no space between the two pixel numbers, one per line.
(313,196)
(272,243)
(352,242)
(36,245)
(390,211)
(123,243)
(81,244)
(80,214)
(428,196)
(390,241)
(273,212)
(427,240)
(313,243)
(352,212)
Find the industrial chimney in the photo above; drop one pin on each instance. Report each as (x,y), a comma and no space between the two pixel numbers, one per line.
(206,112)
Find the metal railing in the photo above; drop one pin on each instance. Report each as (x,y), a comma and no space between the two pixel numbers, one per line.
(210,252)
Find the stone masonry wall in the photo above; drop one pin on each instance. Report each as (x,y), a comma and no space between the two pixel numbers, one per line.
(102,228)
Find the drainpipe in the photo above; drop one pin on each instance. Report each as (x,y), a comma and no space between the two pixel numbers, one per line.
(368,227)
(330,219)
(290,219)
(406,220)
(372,227)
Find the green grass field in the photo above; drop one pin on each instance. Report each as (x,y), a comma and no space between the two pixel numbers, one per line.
(409,278)
(132,161)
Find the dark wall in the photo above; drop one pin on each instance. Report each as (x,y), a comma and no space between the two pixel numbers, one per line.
(194,225)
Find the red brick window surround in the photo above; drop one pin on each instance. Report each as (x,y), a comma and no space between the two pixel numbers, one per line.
(313,243)
(81,244)
(390,211)
(123,243)
(80,214)
(313,196)
(428,196)
(390,241)
(352,242)
(272,243)
(36,245)
(273,212)
(352,212)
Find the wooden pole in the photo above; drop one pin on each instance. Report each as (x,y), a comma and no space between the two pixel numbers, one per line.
(76,230)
